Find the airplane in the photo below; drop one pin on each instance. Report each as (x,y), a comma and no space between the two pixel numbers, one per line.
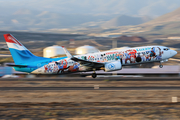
(112,60)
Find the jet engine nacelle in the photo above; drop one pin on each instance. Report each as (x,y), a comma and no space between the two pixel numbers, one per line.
(112,66)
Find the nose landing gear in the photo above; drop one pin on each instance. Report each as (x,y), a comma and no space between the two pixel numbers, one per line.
(161,66)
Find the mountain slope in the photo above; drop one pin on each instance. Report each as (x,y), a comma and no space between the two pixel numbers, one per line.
(124,20)
(169,17)
(168,24)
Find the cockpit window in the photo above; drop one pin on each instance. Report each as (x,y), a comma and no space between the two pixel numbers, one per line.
(166,49)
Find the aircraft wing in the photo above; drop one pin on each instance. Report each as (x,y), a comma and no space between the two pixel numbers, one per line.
(83,62)
(88,63)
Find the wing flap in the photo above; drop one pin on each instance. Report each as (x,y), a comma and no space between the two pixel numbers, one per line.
(88,63)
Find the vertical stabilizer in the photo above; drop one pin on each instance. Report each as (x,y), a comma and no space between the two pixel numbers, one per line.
(20,54)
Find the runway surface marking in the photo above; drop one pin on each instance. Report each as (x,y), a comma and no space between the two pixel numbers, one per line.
(90,88)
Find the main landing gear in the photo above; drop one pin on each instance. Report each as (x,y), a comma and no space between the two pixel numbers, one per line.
(161,66)
(94,75)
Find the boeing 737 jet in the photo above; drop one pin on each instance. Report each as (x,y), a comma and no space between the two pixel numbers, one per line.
(112,60)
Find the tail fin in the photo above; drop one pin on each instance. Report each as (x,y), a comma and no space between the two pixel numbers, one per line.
(20,54)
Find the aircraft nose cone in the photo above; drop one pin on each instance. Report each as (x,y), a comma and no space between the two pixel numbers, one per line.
(173,52)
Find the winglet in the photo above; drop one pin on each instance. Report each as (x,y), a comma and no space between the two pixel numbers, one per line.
(68,54)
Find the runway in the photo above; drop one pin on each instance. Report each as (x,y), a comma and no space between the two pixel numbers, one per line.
(93,108)
(87,88)
(96,79)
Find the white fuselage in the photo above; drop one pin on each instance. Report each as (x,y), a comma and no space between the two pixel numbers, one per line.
(127,56)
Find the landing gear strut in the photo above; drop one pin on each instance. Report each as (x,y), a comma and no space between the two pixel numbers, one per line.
(94,75)
(161,66)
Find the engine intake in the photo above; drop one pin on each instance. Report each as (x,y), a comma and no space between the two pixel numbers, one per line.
(112,66)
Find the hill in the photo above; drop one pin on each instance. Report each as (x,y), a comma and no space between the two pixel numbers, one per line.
(168,24)
(173,16)
(161,27)
(124,20)
(131,39)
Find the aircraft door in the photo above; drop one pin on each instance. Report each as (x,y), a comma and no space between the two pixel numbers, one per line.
(157,51)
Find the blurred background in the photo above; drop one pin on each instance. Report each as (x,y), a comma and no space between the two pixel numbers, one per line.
(84,26)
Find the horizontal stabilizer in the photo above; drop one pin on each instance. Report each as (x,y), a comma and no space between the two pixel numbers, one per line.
(13,65)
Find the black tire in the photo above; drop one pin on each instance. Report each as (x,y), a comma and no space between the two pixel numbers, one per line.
(161,66)
(94,75)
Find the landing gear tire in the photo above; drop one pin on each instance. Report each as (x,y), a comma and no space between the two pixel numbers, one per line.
(94,75)
(161,66)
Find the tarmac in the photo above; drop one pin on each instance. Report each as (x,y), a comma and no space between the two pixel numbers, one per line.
(68,80)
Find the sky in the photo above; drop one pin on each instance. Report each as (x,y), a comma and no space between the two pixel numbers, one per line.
(152,8)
